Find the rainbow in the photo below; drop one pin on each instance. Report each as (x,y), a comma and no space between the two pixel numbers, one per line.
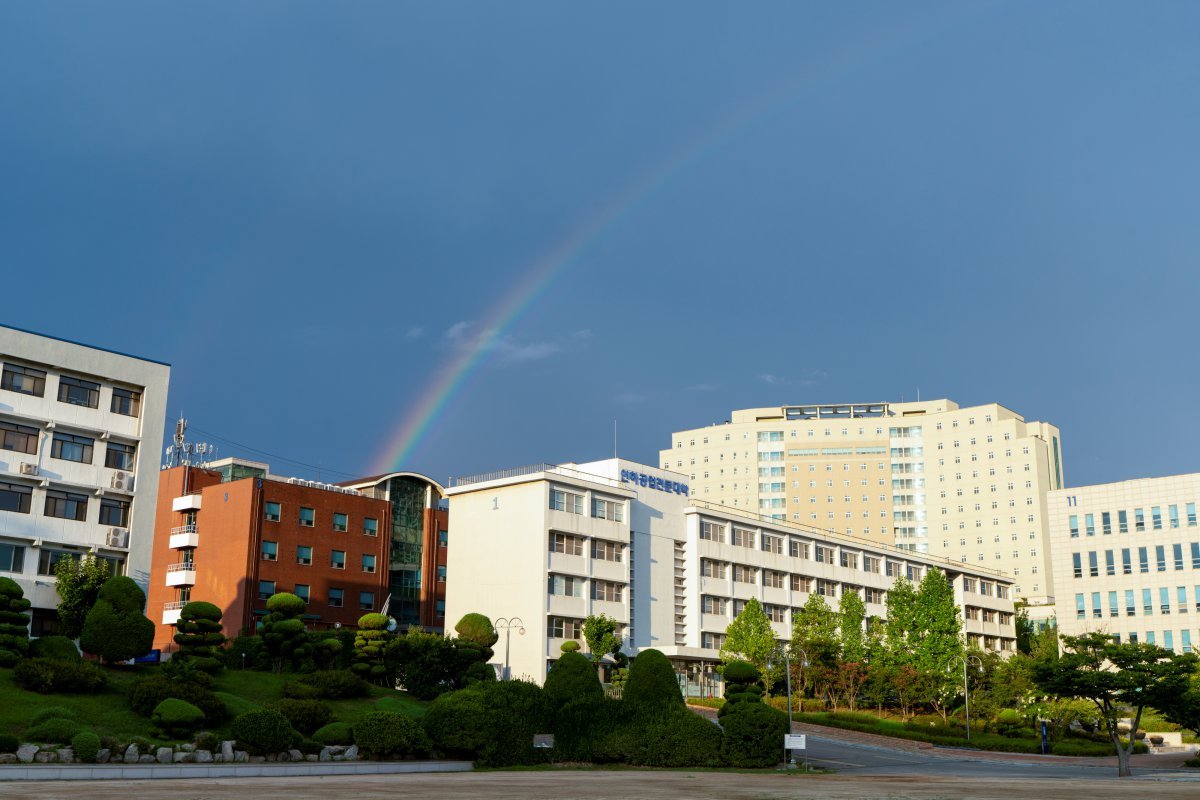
(448,382)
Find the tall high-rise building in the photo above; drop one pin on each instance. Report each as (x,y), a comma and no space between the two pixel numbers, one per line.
(81,432)
(965,484)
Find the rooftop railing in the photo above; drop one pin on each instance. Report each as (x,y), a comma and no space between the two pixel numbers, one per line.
(531,469)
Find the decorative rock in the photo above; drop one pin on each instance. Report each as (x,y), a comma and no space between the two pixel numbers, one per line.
(103,755)
(241,757)
(8,758)
(310,756)
(164,755)
(295,755)
(188,747)
(45,757)
(203,756)
(66,755)
(26,752)
(336,749)
(257,759)
(184,758)
(147,759)
(339,757)
(131,754)
(352,753)
(227,750)
(325,755)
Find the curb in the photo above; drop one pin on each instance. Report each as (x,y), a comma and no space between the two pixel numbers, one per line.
(125,772)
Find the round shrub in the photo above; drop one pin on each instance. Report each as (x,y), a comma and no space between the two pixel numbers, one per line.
(115,628)
(177,717)
(672,737)
(54,731)
(456,723)
(569,646)
(86,746)
(514,712)
(336,684)
(287,604)
(299,691)
(9,743)
(310,747)
(51,712)
(740,672)
(14,622)
(573,677)
(335,733)
(651,682)
(207,740)
(478,629)
(262,732)
(304,715)
(147,693)
(45,675)
(753,735)
(380,734)
(59,648)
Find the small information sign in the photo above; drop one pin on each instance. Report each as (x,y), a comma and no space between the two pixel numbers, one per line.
(794,741)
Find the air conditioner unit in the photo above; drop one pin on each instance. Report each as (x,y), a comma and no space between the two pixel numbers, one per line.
(122,481)
(28,469)
(117,537)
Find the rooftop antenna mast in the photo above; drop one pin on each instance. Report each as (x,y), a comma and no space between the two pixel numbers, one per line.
(181,452)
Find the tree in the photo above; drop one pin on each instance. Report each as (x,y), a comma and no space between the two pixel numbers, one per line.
(370,642)
(1185,710)
(851,617)
(1119,678)
(283,631)
(651,682)
(478,629)
(198,634)
(423,663)
(750,637)
(600,633)
(901,620)
(14,623)
(814,648)
(935,638)
(573,677)
(115,629)
(78,583)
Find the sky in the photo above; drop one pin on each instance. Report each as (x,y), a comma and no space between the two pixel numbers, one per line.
(455,237)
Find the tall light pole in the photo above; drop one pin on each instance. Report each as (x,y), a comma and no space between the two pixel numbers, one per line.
(507,625)
(967,689)
(787,670)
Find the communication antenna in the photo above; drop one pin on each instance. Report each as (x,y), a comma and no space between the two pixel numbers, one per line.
(181,452)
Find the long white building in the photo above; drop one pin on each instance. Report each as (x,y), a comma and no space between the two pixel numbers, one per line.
(81,433)
(549,545)
(1127,560)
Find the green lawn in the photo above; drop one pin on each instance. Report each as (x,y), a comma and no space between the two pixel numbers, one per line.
(107,713)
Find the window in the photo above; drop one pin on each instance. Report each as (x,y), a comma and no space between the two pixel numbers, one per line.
(443,538)
(340,522)
(126,401)
(114,512)
(564,628)
(1164,600)
(714,641)
(1147,602)
(566,501)
(335,597)
(1173,516)
(744,574)
(798,549)
(271,512)
(823,555)
(1195,551)
(1143,560)
(18,438)
(308,517)
(1077,561)
(775,613)
(12,558)
(772,579)
(606,551)
(368,562)
(1139,520)
(1090,524)
(871,564)
(566,544)
(1177,552)
(849,560)
(712,569)
(302,591)
(1110,567)
(1160,554)
(270,550)
(119,456)
(337,559)
(370,527)
(827,588)
(1122,522)
(304,554)
(15,497)
(48,558)
(366,601)
(875,596)
(266,589)
(70,447)
(608,509)
(25,380)
(564,585)
(1130,605)
(1156,517)
(78,392)
(801,583)
(66,505)
(712,531)
(743,537)
(1093,568)
(609,592)
(714,605)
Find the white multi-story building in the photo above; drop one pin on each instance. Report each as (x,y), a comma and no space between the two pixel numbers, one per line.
(550,545)
(1127,560)
(965,484)
(81,433)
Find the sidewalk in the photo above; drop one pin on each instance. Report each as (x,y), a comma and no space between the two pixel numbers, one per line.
(266,769)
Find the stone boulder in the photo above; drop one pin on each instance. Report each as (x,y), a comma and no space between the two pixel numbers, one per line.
(203,756)
(26,752)
(131,754)
(164,755)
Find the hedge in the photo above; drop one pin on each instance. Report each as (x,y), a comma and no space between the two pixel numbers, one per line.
(380,734)
(148,692)
(177,717)
(86,747)
(336,684)
(47,676)
(335,733)
(262,732)
(573,677)
(59,648)
(54,731)
(51,712)
(652,681)
(753,735)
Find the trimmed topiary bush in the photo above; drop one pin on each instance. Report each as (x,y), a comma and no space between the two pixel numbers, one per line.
(514,712)
(456,724)
(584,728)
(51,712)
(198,634)
(207,740)
(262,732)
(573,677)
(335,733)
(336,684)
(147,693)
(477,629)
(304,715)
(46,676)
(59,648)
(382,734)
(674,737)
(651,682)
(753,735)
(177,717)
(299,691)
(86,746)
(14,622)
(569,646)
(283,632)
(115,629)
(369,644)
(54,731)
(9,743)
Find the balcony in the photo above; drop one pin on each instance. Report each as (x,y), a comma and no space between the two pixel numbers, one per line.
(181,575)
(184,536)
(171,610)
(189,502)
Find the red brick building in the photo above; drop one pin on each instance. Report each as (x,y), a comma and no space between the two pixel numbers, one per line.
(233,535)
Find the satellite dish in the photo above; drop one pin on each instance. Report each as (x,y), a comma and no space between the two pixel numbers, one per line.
(391,626)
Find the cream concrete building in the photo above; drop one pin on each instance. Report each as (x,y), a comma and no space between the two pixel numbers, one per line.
(550,545)
(965,484)
(1127,560)
(81,433)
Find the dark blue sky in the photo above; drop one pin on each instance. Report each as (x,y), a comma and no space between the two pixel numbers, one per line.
(308,209)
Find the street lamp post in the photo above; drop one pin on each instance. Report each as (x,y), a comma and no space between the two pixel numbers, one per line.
(967,689)
(507,625)
(787,668)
